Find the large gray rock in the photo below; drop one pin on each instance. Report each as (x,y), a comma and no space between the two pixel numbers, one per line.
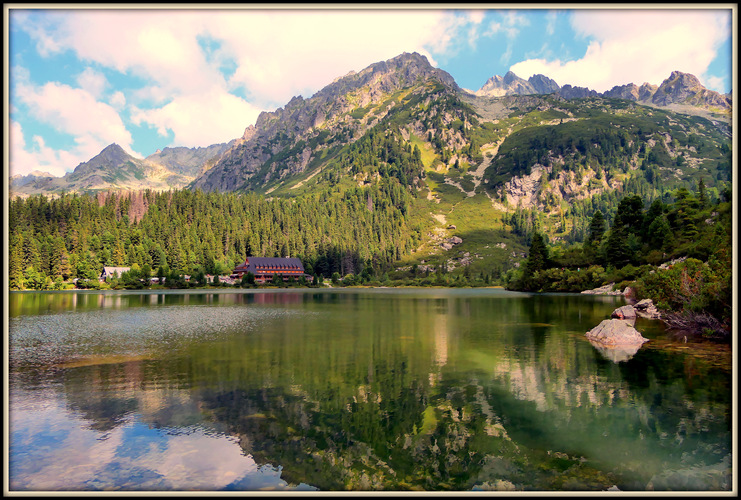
(615,333)
(646,309)
(627,313)
(603,290)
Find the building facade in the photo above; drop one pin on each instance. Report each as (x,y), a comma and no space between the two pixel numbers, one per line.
(111,272)
(266,269)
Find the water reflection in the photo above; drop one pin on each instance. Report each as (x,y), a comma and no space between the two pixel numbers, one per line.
(368,391)
(616,354)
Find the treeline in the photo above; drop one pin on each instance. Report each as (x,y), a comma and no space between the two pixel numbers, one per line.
(52,241)
(689,227)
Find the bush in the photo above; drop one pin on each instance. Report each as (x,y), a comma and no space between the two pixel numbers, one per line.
(690,287)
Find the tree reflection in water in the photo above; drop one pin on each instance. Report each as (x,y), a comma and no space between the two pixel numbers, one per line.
(449,391)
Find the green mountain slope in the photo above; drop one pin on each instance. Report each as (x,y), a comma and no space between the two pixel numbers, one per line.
(397,175)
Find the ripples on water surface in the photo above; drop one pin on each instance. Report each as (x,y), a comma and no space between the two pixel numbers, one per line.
(368,390)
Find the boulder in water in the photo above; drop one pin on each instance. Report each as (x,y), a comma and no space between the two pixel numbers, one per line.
(616,332)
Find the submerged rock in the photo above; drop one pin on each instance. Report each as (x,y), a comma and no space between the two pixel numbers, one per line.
(616,333)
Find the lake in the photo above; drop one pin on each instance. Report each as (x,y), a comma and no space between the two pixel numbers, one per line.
(359,389)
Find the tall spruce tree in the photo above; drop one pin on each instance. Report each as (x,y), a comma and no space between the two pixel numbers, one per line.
(597,228)
(537,260)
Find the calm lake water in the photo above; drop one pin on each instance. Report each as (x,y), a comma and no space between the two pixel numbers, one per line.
(465,389)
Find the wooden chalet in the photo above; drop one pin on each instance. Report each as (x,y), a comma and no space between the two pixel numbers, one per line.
(112,271)
(266,268)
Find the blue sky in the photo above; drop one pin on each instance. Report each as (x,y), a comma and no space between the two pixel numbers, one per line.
(81,79)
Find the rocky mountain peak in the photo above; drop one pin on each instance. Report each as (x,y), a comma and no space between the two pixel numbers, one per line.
(511,84)
(288,132)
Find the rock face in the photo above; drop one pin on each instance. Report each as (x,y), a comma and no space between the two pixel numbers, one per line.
(683,88)
(187,161)
(646,309)
(625,312)
(616,333)
(511,84)
(603,290)
(679,88)
(569,92)
(283,142)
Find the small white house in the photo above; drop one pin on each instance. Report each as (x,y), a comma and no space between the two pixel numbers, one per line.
(111,272)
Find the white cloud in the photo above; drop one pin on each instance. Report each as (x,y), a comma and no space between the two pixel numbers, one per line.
(551,18)
(716,83)
(636,46)
(39,157)
(75,112)
(283,54)
(274,54)
(92,81)
(278,53)
(117,100)
(200,119)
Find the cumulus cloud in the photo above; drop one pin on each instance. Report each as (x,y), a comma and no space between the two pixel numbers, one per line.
(636,46)
(280,54)
(117,100)
(71,111)
(92,81)
(181,86)
(25,159)
(200,119)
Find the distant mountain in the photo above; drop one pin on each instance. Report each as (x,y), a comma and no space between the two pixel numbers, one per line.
(511,84)
(187,161)
(401,103)
(679,89)
(114,168)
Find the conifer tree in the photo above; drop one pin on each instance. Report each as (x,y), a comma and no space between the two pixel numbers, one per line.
(596,229)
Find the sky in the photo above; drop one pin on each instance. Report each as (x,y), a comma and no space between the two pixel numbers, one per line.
(145,79)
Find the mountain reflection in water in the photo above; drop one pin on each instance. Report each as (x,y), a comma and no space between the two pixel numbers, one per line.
(361,390)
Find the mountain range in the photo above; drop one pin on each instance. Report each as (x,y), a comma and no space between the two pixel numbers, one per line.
(287,147)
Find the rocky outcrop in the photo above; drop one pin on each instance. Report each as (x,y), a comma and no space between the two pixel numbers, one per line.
(627,313)
(511,84)
(615,332)
(683,88)
(283,142)
(630,92)
(646,309)
(187,161)
(451,242)
(569,92)
(603,290)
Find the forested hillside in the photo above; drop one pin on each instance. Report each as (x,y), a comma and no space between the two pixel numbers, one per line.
(396,176)
(74,236)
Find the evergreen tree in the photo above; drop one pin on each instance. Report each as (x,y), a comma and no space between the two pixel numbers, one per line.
(537,260)
(617,251)
(596,229)
(702,195)
(15,261)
